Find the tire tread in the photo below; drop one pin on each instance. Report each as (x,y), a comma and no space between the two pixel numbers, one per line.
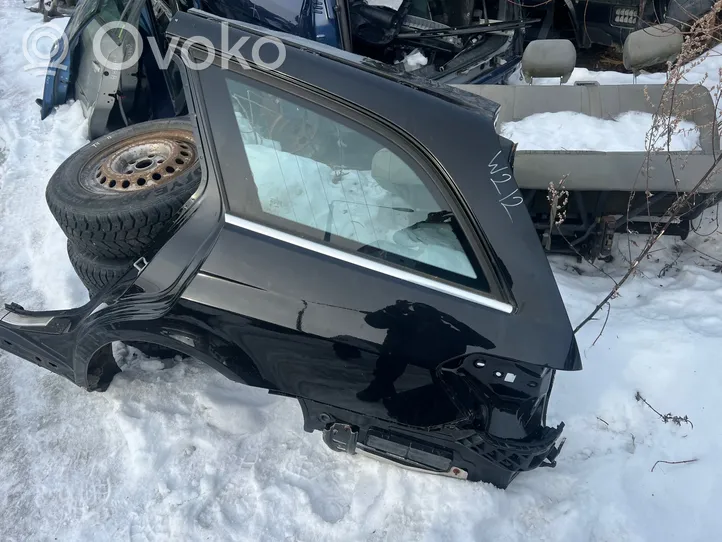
(121,227)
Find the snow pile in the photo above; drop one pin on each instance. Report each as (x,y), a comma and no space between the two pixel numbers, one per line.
(415,60)
(705,71)
(183,454)
(578,132)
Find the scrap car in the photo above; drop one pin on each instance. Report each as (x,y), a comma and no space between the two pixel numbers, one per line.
(447,41)
(468,46)
(410,37)
(365,271)
(306,230)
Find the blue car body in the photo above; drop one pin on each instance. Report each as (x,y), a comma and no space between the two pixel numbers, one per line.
(315,20)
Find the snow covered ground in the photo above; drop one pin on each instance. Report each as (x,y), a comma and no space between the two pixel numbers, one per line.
(183,454)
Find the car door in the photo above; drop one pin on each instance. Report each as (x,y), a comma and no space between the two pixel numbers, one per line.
(107,81)
(373,230)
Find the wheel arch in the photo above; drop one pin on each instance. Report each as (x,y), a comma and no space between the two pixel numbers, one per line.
(95,366)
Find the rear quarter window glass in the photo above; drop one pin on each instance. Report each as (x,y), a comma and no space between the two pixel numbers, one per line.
(317,172)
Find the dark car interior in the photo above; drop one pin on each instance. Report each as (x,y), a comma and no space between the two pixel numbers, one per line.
(451,34)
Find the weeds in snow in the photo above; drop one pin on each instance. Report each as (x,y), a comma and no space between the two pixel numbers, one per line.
(672,108)
(666,418)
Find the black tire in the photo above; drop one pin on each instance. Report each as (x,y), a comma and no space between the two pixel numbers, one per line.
(96,273)
(113,222)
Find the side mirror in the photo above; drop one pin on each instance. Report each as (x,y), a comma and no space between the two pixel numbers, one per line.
(549,58)
(652,45)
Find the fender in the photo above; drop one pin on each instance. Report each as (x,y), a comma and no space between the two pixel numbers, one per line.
(75,343)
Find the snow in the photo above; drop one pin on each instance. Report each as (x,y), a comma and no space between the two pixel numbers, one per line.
(392,4)
(183,454)
(578,132)
(704,70)
(538,132)
(414,60)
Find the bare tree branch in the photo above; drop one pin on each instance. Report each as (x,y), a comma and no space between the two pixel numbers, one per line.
(609,309)
(674,462)
(657,232)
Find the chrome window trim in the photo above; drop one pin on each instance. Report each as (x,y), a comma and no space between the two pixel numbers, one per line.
(369,264)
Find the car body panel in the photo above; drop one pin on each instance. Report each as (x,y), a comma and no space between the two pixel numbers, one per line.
(60,67)
(472,371)
(290,16)
(73,65)
(459,113)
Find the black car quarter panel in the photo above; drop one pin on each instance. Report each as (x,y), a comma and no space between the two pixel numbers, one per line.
(326,329)
(333,180)
(370,219)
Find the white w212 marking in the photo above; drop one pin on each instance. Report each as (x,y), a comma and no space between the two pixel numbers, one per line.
(508,199)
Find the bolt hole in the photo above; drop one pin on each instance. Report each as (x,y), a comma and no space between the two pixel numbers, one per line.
(141,181)
(126,183)
(98,174)
(106,73)
(185,153)
(179,161)
(170,169)
(38,359)
(151,155)
(129,172)
(103,179)
(112,183)
(133,161)
(7,342)
(156,176)
(52,364)
(161,160)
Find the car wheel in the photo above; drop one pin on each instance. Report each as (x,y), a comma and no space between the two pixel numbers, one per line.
(96,273)
(114,195)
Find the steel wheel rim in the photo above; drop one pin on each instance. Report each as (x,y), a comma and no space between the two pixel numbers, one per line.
(144,162)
